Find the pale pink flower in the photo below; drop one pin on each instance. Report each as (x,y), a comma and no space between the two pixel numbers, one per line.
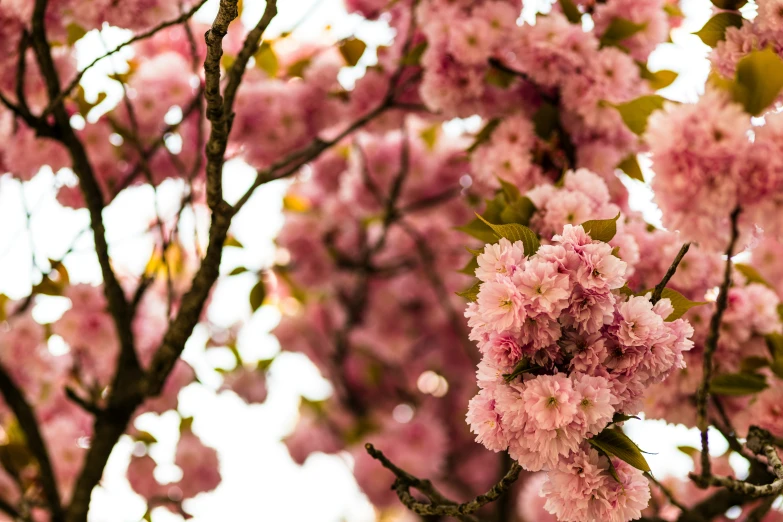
(503,349)
(596,406)
(550,401)
(546,290)
(637,322)
(502,258)
(500,305)
(486,422)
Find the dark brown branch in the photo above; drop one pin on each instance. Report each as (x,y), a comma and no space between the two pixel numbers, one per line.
(760,443)
(9,510)
(294,161)
(656,296)
(26,417)
(193,301)
(711,344)
(440,506)
(184,17)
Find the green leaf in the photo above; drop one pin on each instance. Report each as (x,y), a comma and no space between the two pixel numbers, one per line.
(751,364)
(622,417)
(729,5)
(758,80)
(470,268)
(673,10)
(145,437)
(775,345)
(238,270)
(257,295)
(658,79)
(485,133)
(516,232)
(185,424)
(619,29)
(546,120)
(625,290)
(296,69)
(266,60)
(471,294)
(689,450)
(510,190)
(630,166)
(636,112)
(601,229)
(430,136)
(738,384)
(570,11)
(523,366)
(74,33)
(680,303)
(751,274)
(519,211)
(499,77)
(414,55)
(231,241)
(478,229)
(615,442)
(715,29)
(352,50)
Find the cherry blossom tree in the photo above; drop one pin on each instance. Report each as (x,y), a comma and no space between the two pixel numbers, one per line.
(458,257)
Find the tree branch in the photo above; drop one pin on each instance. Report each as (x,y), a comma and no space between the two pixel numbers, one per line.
(656,296)
(184,17)
(711,344)
(26,417)
(440,506)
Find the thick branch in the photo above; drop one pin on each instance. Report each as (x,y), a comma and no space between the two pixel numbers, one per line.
(118,304)
(656,296)
(440,506)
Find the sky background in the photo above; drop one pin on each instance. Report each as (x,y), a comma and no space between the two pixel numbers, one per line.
(260,481)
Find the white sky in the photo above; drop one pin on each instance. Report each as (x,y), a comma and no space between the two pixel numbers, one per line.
(260,482)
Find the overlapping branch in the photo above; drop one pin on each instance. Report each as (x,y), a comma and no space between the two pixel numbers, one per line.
(440,505)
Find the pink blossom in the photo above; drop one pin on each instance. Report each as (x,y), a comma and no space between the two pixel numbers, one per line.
(596,406)
(141,478)
(500,303)
(544,287)
(637,322)
(503,349)
(551,401)
(199,463)
(248,384)
(502,258)
(486,423)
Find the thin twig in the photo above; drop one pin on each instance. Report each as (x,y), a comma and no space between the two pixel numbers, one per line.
(711,344)
(656,296)
(667,493)
(184,17)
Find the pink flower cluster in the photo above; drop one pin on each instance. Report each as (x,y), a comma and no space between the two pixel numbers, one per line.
(563,351)
(582,196)
(706,165)
(752,314)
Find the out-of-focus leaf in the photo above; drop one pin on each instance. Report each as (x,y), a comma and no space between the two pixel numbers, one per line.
(715,29)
